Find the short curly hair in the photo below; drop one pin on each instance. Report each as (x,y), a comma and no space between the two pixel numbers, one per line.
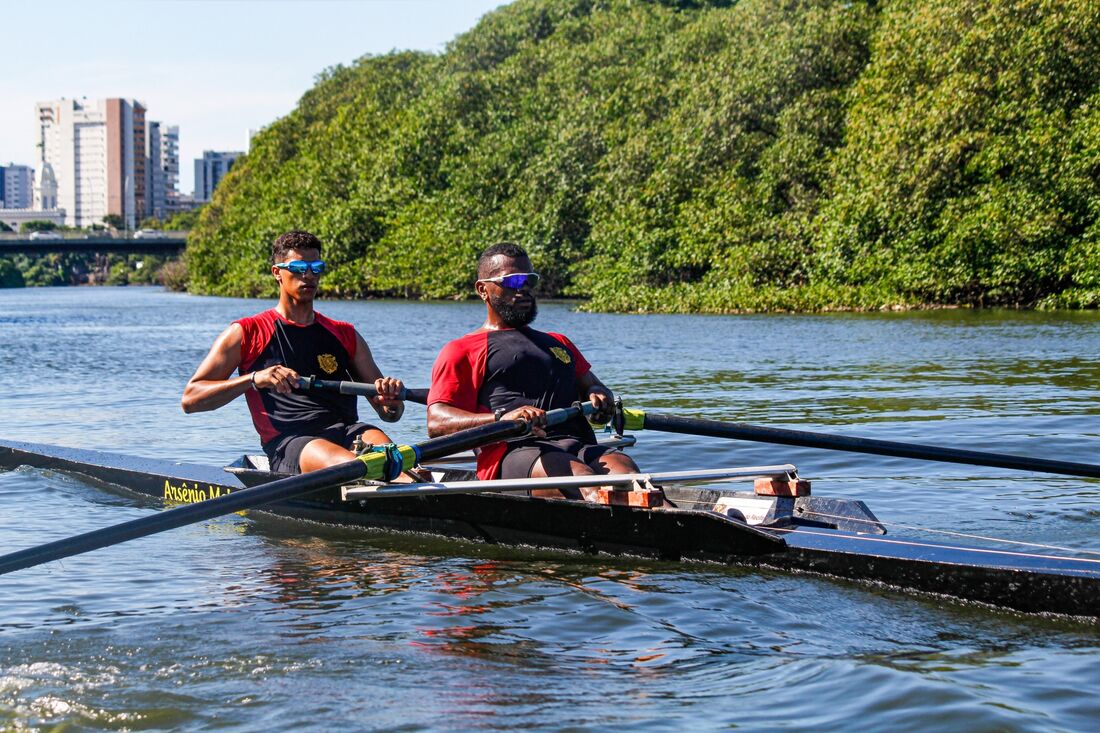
(506,249)
(294,239)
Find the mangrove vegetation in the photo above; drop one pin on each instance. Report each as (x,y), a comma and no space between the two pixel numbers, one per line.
(719,156)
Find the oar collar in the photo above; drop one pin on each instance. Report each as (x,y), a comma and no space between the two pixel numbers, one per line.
(387,462)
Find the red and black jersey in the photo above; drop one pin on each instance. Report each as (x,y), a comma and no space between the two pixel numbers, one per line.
(324,348)
(489,370)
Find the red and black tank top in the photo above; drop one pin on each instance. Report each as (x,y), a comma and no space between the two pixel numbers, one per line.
(489,370)
(324,348)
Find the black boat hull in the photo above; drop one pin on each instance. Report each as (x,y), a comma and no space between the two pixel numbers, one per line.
(1022,581)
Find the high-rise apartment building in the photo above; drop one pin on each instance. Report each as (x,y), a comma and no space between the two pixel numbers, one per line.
(16,186)
(163,171)
(97,153)
(210,169)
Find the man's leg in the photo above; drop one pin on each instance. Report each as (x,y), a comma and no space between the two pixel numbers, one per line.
(321,453)
(598,460)
(614,461)
(561,463)
(564,457)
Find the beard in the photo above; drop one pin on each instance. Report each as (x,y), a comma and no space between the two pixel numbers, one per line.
(513,316)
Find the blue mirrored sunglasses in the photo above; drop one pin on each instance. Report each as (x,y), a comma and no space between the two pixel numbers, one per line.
(300,267)
(515,281)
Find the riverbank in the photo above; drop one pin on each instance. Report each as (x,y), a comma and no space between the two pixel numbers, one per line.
(172,276)
(79,268)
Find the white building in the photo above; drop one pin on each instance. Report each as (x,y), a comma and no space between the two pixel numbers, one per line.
(210,169)
(16,186)
(97,153)
(16,218)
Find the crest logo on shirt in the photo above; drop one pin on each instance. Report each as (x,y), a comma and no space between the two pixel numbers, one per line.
(562,354)
(327,362)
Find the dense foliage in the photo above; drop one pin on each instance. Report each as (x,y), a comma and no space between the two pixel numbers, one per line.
(79,268)
(694,155)
(38,226)
(10,276)
(180,221)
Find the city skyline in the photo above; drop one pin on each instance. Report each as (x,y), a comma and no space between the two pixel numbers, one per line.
(225,69)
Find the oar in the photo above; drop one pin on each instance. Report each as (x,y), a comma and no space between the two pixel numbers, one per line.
(378,465)
(420,396)
(639,419)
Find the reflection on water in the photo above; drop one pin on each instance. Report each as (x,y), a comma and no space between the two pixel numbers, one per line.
(256,623)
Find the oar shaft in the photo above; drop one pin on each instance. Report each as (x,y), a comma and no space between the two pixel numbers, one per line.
(269,493)
(420,396)
(781,436)
(183,515)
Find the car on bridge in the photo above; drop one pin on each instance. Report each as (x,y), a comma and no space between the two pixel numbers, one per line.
(45,235)
(149,234)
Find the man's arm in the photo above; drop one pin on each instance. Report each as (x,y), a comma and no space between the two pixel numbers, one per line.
(210,387)
(386,404)
(454,383)
(444,419)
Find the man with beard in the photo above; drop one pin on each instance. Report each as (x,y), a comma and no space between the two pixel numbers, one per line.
(506,370)
(299,431)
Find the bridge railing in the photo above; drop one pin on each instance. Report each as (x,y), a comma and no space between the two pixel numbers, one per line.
(100,235)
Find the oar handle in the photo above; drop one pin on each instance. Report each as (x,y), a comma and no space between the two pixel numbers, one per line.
(636,419)
(419,396)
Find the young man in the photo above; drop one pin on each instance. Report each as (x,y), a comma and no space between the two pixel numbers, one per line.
(508,371)
(300,431)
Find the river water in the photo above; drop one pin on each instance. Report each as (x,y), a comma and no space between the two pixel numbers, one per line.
(251,623)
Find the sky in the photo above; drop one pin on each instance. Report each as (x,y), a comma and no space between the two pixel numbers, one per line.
(216,68)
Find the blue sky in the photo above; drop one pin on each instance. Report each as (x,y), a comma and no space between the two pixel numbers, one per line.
(215,68)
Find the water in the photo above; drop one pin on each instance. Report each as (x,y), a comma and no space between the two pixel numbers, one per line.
(262,624)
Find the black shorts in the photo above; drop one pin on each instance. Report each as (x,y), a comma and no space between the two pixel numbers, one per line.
(518,461)
(287,451)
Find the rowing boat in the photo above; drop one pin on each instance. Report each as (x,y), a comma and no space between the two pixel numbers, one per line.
(759,516)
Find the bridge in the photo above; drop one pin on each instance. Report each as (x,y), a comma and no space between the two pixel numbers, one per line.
(170,243)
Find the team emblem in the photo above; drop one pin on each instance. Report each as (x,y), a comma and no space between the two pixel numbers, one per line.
(562,354)
(327,362)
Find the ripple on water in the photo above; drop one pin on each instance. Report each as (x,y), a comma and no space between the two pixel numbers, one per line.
(256,624)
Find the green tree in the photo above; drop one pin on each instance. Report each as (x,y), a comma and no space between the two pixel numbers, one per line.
(45,271)
(697,155)
(183,220)
(10,276)
(119,273)
(173,275)
(114,221)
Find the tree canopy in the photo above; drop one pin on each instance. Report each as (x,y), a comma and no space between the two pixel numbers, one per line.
(693,155)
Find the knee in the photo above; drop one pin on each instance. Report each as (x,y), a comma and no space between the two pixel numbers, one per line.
(374,436)
(618,463)
(559,464)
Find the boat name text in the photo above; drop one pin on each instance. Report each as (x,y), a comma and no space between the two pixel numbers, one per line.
(192,493)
